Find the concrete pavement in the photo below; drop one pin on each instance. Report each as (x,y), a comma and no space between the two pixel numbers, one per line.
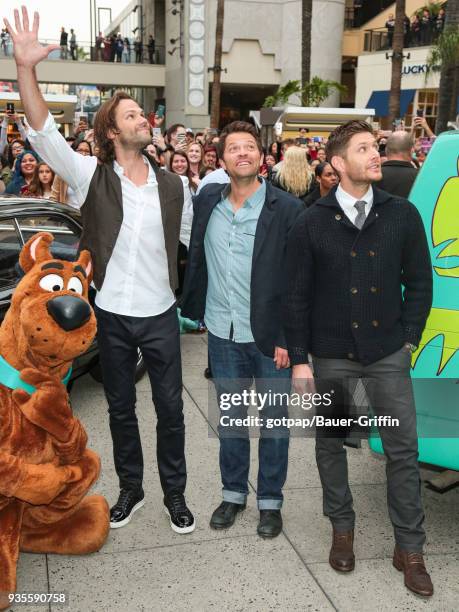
(147,567)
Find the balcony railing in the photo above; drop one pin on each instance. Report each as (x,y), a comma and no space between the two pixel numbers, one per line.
(380,39)
(84,52)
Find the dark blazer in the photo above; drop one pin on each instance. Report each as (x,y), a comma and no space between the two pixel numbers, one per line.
(397,177)
(353,294)
(102,216)
(267,286)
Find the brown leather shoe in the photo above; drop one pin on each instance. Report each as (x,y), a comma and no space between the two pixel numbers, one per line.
(416,577)
(341,553)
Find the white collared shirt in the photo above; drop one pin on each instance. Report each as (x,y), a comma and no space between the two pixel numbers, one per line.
(347,201)
(137,279)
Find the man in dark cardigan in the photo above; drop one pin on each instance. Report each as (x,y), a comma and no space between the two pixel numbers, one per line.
(359,293)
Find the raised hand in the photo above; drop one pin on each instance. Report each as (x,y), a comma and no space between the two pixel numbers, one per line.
(28,52)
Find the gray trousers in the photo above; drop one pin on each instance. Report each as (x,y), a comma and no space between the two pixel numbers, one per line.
(389,390)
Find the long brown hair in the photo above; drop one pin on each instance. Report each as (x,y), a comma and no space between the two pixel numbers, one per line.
(104,122)
(188,173)
(35,186)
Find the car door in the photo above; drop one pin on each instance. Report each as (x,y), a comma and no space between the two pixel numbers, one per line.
(10,272)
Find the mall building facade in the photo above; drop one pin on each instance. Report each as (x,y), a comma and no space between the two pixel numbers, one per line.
(261,50)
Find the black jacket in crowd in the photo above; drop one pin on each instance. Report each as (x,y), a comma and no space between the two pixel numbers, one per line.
(312,197)
(268,279)
(353,294)
(397,177)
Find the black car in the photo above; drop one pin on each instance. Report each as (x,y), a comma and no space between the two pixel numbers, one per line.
(21,218)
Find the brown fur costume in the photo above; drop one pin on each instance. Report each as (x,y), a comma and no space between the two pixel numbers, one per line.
(45,467)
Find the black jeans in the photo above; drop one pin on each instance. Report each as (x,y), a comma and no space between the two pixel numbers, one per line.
(158,338)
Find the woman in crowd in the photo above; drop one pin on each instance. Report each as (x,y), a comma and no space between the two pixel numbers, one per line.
(439,23)
(5,173)
(107,48)
(24,168)
(210,156)
(179,164)
(41,183)
(415,31)
(295,175)
(4,132)
(326,179)
(269,163)
(60,191)
(126,51)
(274,150)
(195,156)
(15,148)
(138,48)
(83,147)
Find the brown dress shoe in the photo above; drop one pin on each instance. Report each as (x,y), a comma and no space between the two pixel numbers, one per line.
(416,577)
(341,553)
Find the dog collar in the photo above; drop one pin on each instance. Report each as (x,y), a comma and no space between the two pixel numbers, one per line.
(11,378)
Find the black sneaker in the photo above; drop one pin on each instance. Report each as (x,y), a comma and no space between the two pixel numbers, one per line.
(182,521)
(128,502)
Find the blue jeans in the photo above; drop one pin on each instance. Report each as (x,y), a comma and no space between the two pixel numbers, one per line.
(234,366)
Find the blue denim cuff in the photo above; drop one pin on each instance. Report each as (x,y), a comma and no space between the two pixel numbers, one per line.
(269,504)
(235,497)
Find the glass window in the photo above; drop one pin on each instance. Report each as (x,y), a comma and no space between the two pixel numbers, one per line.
(10,247)
(427,101)
(66,234)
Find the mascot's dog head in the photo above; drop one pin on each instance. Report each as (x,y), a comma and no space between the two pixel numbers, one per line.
(50,321)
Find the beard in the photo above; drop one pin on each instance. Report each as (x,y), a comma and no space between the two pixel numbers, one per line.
(137,142)
(364,175)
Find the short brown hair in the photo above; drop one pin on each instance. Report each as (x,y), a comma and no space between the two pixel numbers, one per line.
(340,137)
(104,122)
(234,127)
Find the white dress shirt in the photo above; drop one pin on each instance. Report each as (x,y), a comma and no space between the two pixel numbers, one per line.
(137,279)
(347,201)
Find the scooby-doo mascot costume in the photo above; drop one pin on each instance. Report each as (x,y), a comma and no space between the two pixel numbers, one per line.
(45,467)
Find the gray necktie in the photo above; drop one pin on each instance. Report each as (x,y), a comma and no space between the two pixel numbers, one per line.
(361,216)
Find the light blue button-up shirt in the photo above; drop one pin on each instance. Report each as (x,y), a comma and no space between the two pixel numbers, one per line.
(228,246)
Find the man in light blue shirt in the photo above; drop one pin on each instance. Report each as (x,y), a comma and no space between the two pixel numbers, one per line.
(235,280)
(228,246)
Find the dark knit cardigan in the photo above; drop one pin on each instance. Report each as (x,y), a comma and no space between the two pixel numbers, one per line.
(354,294)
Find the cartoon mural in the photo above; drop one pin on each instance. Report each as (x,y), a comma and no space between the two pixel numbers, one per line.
(435,365)
(436,195)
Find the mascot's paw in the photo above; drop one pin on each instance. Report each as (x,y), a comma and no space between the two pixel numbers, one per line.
(21,397)
(48,407)
(82,532)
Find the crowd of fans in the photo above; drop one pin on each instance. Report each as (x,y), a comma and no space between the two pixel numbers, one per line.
(112,48)
(419,31)
(297,165)
(115,48)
